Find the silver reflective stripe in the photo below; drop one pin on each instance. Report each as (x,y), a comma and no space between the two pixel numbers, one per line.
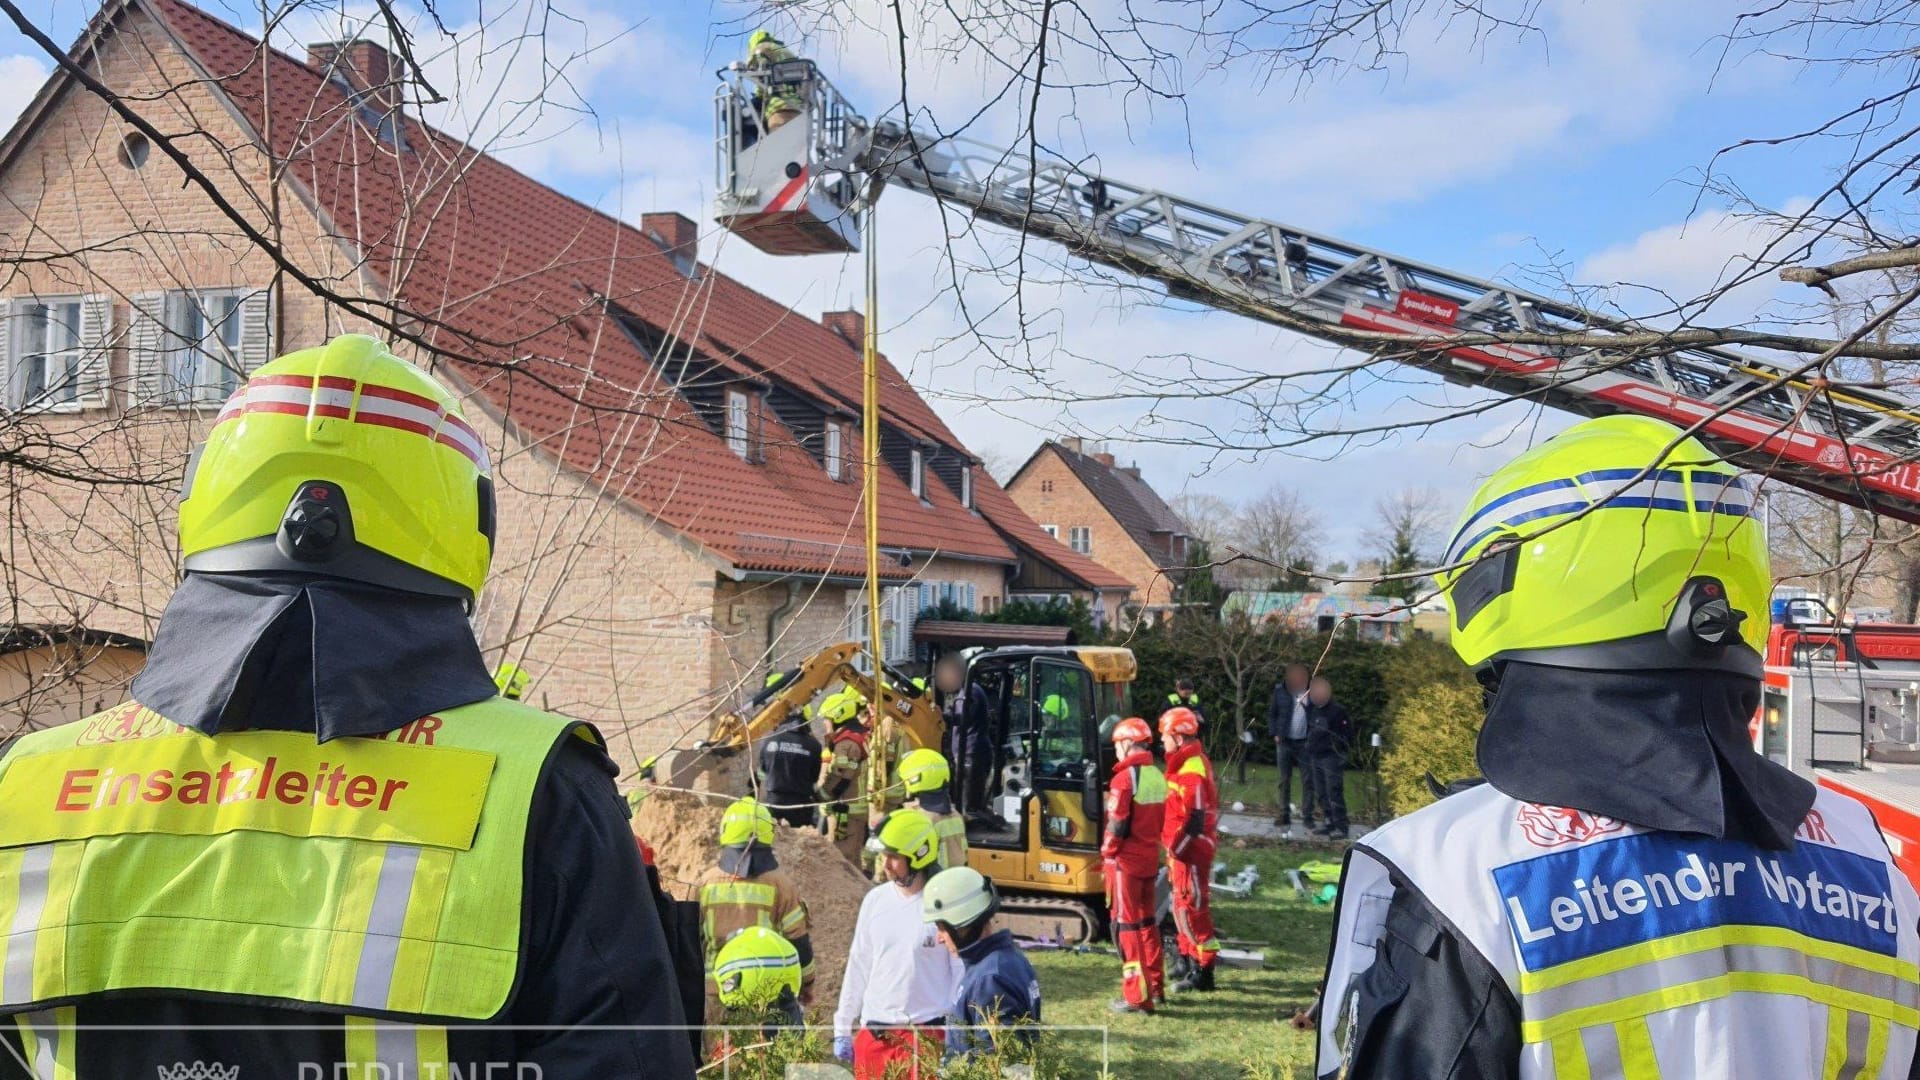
(1858,1025)
(16,977)
(1706,964)
(374,978)
(397,1046)
(43,1028)
(1602,1043)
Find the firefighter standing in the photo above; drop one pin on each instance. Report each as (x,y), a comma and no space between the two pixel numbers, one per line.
(781,102)
(748,888)
(925,775)
(1192,834)
(1633,891)
(843,765)
(1136,815)
(790,769)
(1184,696)
(346,850)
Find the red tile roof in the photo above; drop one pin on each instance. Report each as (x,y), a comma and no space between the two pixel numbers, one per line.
(1034,542)
(511,276)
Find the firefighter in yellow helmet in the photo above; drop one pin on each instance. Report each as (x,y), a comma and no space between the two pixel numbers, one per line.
(513,680)
(925,776)
(746,887)
(1634,892)
(758,975)
(326,834)
(843,763)
(781,102)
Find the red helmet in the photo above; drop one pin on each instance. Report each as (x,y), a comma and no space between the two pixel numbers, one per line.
(1179,721)
(1132,729)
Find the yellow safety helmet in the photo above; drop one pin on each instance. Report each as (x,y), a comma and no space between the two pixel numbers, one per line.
(924,770)
(754,967)
(843,707)
(908,833)
(342,460)
(746,822)
(1054,706)
(762,37)
(1656,571)
(512,680)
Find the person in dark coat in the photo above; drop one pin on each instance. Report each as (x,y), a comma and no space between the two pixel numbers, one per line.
(1329,735)
(1287,721)
(789,770)
(969,747)
(999,995)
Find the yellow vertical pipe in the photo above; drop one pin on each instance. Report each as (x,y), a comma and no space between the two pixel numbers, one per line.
(870,438)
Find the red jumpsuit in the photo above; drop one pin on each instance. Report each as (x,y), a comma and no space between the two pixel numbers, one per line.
(1192,835)
(1136,814)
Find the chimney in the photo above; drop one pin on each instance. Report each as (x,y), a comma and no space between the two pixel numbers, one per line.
(1070,442)
(1104,459)
(675,232)
(1131,470)
(366,67)
(851,325)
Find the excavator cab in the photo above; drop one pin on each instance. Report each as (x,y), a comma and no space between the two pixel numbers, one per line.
(795,189)
(1050,710)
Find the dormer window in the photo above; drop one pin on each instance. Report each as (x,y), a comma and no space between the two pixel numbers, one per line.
(917,474)
(836,450)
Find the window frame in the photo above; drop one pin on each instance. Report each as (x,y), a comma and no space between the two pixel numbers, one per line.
(1079,535)
(192,303)
(16,398)
(740,438)
(1051,530)
(834,452)
(917,472)
(966,486)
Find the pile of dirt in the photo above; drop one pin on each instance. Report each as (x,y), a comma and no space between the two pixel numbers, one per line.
(684,831)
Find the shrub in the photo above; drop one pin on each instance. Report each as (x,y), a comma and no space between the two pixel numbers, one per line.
(1430,729)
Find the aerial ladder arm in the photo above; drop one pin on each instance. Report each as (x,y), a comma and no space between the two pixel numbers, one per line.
(803,195)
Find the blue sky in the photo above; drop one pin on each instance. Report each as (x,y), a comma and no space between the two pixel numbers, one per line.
(1492,155)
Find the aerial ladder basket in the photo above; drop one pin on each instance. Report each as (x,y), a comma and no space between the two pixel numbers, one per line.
(794,190)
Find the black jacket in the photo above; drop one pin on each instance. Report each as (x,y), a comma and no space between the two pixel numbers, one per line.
(595,964)
(1280,712)
(1329,729)
(967,715)
(790,765)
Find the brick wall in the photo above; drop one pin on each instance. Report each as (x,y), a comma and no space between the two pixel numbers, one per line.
(1051,494)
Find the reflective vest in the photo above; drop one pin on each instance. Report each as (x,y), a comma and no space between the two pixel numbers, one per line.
(1639,955)
(1192,829)
(369,877)
(952,831)
(730,904)
(1136,815)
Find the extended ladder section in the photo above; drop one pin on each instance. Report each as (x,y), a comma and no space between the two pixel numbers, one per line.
(1855,446)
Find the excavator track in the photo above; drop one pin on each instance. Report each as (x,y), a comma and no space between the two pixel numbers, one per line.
(1051,918)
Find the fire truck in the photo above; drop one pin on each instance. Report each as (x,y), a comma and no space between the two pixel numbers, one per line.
(1841,706)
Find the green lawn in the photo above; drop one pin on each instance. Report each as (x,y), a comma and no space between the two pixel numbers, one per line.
(1239,1032)
(1260,792)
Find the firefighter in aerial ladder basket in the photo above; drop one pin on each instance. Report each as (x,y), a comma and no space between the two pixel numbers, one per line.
(780,102)
(1634,892)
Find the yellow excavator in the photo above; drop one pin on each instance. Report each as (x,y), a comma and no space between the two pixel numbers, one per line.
(1050,709)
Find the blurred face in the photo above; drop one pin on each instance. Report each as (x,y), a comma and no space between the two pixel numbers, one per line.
(898,871)
(949,676)
(1297,679)
(1321,692)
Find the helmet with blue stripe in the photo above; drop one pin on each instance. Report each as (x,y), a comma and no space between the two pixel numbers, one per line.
(1618,544)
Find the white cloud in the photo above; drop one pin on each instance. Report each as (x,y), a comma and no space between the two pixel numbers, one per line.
(20,79)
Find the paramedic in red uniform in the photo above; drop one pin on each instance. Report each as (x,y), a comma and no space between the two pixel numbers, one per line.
(1136,812)
(1191,835)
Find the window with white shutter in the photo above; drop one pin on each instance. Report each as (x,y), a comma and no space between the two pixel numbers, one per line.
(193,348)
(56,352)
(836,466)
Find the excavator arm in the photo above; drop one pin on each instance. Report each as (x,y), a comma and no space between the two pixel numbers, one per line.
(903,714)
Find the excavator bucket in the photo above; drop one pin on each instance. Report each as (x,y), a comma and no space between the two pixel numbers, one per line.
(705,768)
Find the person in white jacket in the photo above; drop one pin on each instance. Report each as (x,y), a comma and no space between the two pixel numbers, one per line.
(899,978)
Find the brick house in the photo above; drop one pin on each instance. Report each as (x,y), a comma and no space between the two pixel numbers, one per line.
(1105,511)
(676,456)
